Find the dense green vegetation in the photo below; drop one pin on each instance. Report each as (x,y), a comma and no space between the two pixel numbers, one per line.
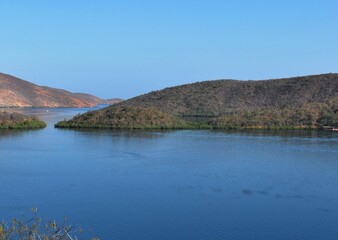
(19,121)
(310,116)
(125,118)
(315,116)
(304,103)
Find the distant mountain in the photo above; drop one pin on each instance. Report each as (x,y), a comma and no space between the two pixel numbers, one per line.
(15,92)
(113,101)
(219,97)
(301,102)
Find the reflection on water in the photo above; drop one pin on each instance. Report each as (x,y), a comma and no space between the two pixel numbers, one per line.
(174,184)
(12,132)
(284,133)
(136,133)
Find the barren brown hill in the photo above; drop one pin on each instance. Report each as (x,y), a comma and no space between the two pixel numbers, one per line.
(15,92)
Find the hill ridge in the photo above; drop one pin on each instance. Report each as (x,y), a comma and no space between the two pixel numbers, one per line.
(218,97)
(16,92)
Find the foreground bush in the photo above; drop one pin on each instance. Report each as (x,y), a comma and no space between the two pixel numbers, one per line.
(35,229)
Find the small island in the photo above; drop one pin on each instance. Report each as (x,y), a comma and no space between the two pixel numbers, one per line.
(19,121)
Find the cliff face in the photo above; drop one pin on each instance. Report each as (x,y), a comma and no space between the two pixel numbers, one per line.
(15,92)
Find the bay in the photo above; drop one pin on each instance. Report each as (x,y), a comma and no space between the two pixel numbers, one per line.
(173,184)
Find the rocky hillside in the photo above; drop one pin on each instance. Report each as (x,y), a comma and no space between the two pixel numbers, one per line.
(219,97)
(15,92)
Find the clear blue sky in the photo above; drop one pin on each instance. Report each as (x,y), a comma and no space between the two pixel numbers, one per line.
(125,48)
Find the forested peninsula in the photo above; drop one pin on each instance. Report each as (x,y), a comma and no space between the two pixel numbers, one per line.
(307,102)
(19,121)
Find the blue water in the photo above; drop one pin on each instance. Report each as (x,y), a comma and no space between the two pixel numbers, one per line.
(173,184)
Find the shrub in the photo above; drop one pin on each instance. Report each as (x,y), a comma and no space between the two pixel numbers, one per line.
(19,121)
(35,229)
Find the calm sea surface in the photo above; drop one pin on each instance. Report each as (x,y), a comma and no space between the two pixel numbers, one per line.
(173,184)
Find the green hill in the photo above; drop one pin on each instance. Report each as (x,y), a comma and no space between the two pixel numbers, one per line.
(219,97)
(300,102)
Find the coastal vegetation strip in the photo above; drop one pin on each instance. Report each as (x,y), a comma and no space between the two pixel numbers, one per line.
(125,118)
(19,121)
(317,116)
